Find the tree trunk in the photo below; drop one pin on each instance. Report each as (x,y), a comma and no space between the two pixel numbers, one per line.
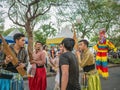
(30,40)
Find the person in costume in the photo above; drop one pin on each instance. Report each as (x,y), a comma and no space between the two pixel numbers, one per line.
(90,78)
(39,81)
(10,79)
(101,55)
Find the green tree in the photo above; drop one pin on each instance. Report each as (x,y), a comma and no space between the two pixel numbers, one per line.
(1,18)
(28,15)
(44,32)
(115,37)
(94,14)
(48,30)
(38,36)
(94,39)
(106,13)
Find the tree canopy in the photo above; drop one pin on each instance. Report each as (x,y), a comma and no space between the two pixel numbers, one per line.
(92,14)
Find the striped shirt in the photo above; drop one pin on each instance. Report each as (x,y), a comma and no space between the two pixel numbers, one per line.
(22,57)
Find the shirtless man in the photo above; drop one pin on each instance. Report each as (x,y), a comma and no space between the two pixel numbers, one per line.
(39,80)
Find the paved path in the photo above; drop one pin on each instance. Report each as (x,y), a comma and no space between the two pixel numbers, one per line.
(113,83)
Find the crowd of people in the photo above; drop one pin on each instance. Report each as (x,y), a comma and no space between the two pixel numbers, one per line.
(64,61)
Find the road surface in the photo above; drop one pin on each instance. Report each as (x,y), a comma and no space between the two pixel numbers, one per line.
(113,83)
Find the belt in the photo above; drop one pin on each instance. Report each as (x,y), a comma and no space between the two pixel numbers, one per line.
(89,68)
(40,66)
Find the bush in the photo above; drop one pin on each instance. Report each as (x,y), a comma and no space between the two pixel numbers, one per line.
(114,60)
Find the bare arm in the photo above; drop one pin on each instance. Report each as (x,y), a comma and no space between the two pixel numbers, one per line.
(65,76)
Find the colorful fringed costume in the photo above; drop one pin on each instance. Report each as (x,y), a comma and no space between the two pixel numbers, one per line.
(101,56)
